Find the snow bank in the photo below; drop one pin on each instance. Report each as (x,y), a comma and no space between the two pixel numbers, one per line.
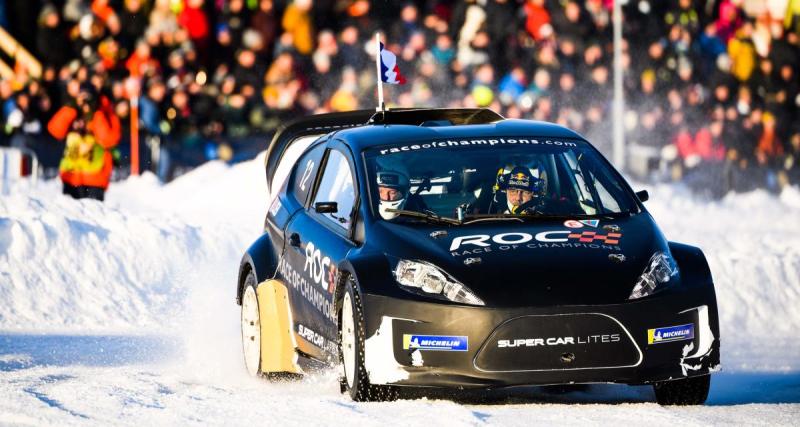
(129,264)
(161,259)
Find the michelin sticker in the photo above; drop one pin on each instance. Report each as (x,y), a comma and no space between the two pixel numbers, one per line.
(435,342)
(670,333)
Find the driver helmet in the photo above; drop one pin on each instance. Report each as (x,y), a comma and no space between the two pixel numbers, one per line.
(520,178)
(393,187)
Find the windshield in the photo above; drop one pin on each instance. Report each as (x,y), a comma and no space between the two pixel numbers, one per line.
(493,178)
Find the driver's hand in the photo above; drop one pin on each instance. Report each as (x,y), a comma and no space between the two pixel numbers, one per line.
(529,207)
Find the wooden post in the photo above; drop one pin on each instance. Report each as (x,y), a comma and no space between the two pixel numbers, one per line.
(133,89)
(135,135)
(14,49)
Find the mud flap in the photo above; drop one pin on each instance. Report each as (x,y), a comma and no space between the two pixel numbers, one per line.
(277,337)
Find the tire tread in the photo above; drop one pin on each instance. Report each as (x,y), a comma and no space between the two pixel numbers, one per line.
(363,390)
(686,391)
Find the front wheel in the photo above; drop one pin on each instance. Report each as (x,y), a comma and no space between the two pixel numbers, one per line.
(687,391)
(351,346)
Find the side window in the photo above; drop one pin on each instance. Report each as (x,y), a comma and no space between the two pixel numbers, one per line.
(289,158)
(304,172)
(580,186)
(336,185)
(606,199)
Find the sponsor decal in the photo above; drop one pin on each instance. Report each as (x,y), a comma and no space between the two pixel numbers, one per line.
(519,180)
(276,205)
(670,333)
(320,300)
(592,236)
(571,223)
(319,268)
(310,335)
(478,243)
(316,282)
(473,142)
(306,174)
(435,342)
(552,341)
(590,222)
(315,338)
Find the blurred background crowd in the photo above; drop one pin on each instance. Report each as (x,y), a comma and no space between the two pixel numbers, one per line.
(711,86)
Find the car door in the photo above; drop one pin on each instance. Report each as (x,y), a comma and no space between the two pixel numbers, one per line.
(316,243)
(291,193)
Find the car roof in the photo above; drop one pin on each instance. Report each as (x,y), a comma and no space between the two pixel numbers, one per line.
(372,135)
(362,129)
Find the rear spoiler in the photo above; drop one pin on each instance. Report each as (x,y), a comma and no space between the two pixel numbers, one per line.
(322,124)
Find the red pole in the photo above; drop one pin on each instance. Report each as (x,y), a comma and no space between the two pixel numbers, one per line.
(135,135)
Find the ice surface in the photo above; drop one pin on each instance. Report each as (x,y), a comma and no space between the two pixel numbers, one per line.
(124,313)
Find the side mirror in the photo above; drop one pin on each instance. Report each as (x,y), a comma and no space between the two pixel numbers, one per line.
(326,207)
(643,195)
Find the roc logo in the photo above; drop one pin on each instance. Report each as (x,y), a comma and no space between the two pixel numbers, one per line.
(319,268)
(518,238)
(670,333)
(435,342)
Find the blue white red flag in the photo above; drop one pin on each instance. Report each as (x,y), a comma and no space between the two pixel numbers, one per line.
(389,71)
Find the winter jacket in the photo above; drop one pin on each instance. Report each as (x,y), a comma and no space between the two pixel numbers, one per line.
(536,18)
(82,167)
(195,22)
(743,57)
(298,23)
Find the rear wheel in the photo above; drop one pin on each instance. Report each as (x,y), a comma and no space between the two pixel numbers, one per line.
(687,391)
(351,346)
(251,327)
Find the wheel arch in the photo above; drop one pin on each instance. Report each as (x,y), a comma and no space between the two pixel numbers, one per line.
(261,260)
(692,263)
(346,272)
(375,267)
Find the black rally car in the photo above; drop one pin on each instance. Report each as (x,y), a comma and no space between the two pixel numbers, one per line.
(454,248)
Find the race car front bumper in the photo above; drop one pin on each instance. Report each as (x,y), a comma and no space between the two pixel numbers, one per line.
(667,336)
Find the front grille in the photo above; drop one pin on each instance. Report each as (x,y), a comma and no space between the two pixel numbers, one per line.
(558,342)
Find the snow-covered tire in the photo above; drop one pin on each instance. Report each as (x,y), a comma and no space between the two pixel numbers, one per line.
(687,391)
(251,327)
(351,350)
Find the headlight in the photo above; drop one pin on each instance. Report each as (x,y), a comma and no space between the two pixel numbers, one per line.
(660,271)
(432,280)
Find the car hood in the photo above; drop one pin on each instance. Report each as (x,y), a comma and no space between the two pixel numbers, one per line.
(541,262)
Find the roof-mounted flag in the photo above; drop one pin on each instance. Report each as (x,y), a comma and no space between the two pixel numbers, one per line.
(389,71)
(386,67)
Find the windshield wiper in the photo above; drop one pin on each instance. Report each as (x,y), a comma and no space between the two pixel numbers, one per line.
(521,217)
(469,219)
(429,216)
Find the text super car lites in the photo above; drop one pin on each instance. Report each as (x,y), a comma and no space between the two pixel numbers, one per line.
(454,248)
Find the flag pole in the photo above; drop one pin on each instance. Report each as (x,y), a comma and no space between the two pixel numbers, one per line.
(381,105)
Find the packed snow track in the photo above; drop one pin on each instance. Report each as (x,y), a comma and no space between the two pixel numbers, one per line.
(123,313)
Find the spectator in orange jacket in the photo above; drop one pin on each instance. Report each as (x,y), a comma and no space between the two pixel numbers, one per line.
(91,130)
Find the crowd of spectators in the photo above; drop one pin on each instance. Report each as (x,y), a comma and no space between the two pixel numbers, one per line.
(711,86)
